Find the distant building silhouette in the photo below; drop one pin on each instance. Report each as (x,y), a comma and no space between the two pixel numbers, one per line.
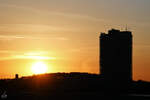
(16,76)
(116,56)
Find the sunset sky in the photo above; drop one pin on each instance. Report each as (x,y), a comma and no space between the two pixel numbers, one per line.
(64,34)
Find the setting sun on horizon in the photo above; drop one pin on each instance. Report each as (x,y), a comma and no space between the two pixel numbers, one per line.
(39,68)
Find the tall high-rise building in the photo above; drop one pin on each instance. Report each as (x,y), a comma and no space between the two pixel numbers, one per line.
(116,55)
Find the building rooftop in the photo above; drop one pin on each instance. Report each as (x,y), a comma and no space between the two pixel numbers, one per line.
(115,32)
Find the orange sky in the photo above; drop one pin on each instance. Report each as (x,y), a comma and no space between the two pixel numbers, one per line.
(64,34)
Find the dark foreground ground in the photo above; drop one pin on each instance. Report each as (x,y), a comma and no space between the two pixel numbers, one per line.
(69,86)
(74,96)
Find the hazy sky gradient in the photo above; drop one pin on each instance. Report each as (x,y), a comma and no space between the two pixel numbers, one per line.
(66,32)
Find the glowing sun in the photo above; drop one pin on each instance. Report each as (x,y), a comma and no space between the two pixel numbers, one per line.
(39,68)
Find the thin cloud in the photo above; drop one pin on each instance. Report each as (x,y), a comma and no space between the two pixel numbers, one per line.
(12,37)
(39,55)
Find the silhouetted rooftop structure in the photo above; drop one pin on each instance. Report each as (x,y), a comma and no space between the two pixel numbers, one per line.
(16,76)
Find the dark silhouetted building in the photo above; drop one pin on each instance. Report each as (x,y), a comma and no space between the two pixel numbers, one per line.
(16,76)
(116,56)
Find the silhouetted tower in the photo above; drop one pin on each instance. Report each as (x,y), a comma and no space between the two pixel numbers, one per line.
(116,56)
(16,76)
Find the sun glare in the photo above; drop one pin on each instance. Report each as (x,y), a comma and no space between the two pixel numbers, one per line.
(39,68)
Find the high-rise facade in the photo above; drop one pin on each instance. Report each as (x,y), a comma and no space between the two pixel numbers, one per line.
(116,55)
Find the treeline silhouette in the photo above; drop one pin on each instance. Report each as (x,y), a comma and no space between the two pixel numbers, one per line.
(70,86)
(56,86)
